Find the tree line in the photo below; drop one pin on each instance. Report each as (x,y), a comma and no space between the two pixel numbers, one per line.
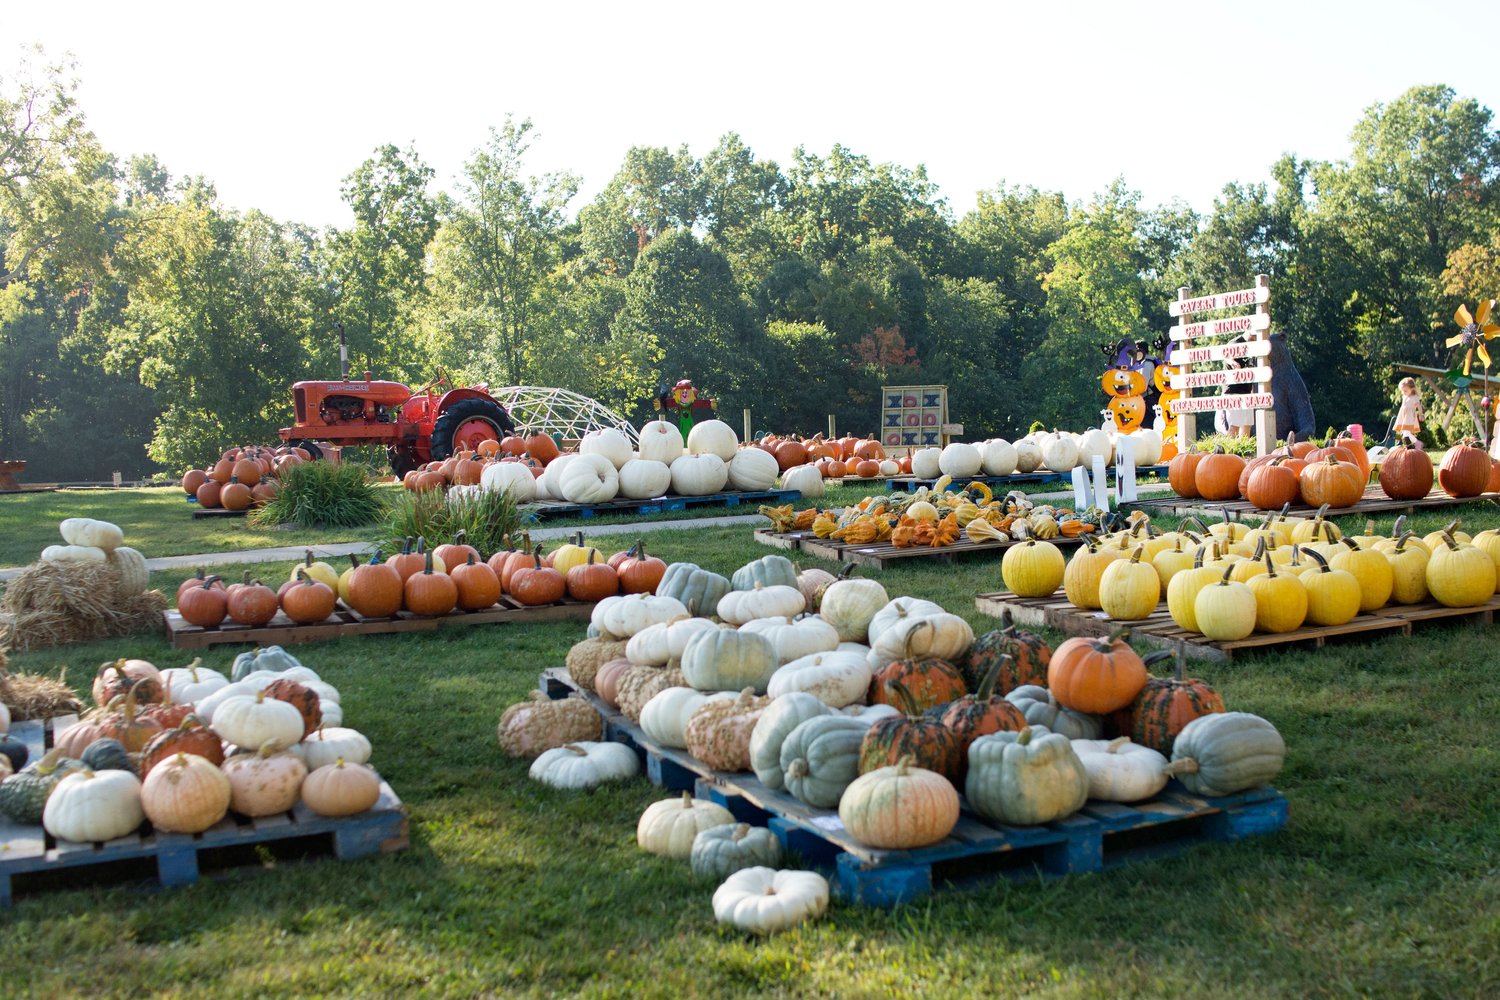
(144,324)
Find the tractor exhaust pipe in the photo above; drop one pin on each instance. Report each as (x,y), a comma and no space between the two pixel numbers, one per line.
(343,355)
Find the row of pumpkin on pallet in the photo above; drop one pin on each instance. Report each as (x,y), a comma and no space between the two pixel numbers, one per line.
(242,477)
(182,747)
(452,576)
(1230,580)
(870,689)
(1334,475)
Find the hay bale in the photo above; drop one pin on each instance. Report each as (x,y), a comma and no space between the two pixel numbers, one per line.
(29,696)
(49,604)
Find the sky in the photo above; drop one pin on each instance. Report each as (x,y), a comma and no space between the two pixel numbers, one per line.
(276,102)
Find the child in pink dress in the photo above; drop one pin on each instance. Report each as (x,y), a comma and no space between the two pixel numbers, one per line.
(1409,417)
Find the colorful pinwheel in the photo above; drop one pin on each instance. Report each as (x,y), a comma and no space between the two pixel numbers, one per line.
(1475,330)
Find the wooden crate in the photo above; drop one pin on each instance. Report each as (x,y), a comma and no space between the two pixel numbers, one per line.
(1103,835)
(345,621)
(783,539)
(32,859)
(546,509)
(1375,502)
(205,513)
(878,555)
(1160,631)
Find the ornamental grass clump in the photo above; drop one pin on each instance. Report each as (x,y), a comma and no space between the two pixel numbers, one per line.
(484,516)
(323,495)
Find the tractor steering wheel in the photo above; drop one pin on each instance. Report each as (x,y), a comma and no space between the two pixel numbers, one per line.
(442,378)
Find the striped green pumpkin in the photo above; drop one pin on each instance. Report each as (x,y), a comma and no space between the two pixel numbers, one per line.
(927,741)
(1029,657)
(1167,704)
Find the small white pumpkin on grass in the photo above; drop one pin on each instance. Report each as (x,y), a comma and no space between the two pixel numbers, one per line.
(763,900)
(668,827)
(584,765)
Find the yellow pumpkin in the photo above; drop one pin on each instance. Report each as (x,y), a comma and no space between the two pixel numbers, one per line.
(1408,559)
(1182,592)
(1315,530)
(1332,594)
(1085,570)
(1129,590)
(1459,575)
(1225,609)
(1370,570)
(1033,568)
(1489,541)
(1169,562)
(1280,601)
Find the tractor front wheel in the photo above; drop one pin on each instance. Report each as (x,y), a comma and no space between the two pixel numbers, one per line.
(465,424)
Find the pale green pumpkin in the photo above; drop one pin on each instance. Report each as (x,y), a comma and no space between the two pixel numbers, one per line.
(722,850)
(727,660)
(767,571)
(820,758)
(1227,752)
(1025,778)
(785,714)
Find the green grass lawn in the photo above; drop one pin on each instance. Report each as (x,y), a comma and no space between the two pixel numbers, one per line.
(1385,883)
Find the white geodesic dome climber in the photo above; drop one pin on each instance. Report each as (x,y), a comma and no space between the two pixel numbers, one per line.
(559,411)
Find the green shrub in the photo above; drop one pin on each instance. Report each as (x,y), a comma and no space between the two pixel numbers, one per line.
(1244,447)
(485,517)
(324,495)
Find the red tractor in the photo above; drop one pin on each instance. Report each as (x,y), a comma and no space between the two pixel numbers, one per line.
(415,426)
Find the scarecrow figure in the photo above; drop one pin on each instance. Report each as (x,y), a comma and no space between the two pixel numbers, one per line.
(684,403)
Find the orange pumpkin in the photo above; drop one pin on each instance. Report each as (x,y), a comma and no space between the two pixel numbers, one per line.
(1217,476)
(537,584)
(1465,471)
(235,495)
(592,581)
(1333,482)
(429,593)
(208,494)
(376,589)
(867,469)
(541,447)
(1182,473)
(307,600)
(192,479)
(1097,676)
(1271,485)
(640,573)
(869,449)
(204,606)
(478,586)
(1406,473)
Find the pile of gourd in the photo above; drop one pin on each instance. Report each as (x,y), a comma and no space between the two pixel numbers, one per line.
(828,689)
(1334,475)
(452,576)
(1055,451)
(1228,580)
(182,747)
(934,517)
(87,541)
(607,466)
(242,477)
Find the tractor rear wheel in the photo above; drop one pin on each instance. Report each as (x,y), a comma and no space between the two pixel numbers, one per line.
(465,424)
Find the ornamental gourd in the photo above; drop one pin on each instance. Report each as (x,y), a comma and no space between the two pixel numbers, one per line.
(665,717)
(583,765)
(928,742)
(899,807)
(1025,778)
(718,733)
(1025,656)
(1228,752)
(720,851)
(540,723)
(760,900)
(669,827)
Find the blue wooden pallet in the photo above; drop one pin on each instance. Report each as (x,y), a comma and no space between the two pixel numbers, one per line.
(546,509)
(29,854)
(1102,836)
(997,483)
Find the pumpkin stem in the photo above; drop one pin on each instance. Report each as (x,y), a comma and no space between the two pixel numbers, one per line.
(574,748)
(846,571)
(209,583)
(986,692)
(1224,580)
(307,559)
(1116,743)
(903,766)
(1024,737)
(353,564)
(908,704)
(1318,558)
(740,832)
(687,797)
(1182,765)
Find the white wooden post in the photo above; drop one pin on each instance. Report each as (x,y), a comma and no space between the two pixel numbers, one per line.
(1265,420)
(832,434)
(746,438)
(1187,423)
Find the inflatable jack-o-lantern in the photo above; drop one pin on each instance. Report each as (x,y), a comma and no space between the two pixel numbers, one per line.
(1126,389)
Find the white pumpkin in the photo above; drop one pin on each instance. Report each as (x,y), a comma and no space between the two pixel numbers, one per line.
(869,714)
(72,553)
(253,721)
(583,765)
(1148,447)
(333,713)
(622,616)
(713,437)
(660,644)
(696,475)
(644,479)
(763,900)
(589,479)
(131,566)
(88,806)
(609,443)
(326,692)
(1095,443)
(850,604)
(890,467)
(794,638)
(999,457)
(945,636)
(836,679)
(330,743)
(753,469)
(89,533)
(926,463)
(897,610)
(740,606)
(511,478)
(1028,456)
(190,684)
(661,442)
(1060,454)
(1122,771)
(542,490)
(805,479)
(668,827)
(960,460)
(666,715)
(205,707)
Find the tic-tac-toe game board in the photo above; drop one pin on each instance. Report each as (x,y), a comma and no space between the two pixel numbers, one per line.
(912,416)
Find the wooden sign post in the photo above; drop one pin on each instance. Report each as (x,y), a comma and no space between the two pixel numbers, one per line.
(1256,328)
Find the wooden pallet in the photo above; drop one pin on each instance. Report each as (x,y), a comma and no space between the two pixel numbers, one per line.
(546,509)
(1160,631)
(345,621)
(1103,835)
(885,555)
(783,539)
(32,859)
(203,513)
(1375,502)
(1000,483)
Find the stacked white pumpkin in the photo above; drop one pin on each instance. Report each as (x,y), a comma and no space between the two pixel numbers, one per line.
(87,541)
(1052,451)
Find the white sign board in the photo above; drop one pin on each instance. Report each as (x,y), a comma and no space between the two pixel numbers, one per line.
(1212,328)
(1223,300)
(1222,352)
(1227,376)
(1209,404)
